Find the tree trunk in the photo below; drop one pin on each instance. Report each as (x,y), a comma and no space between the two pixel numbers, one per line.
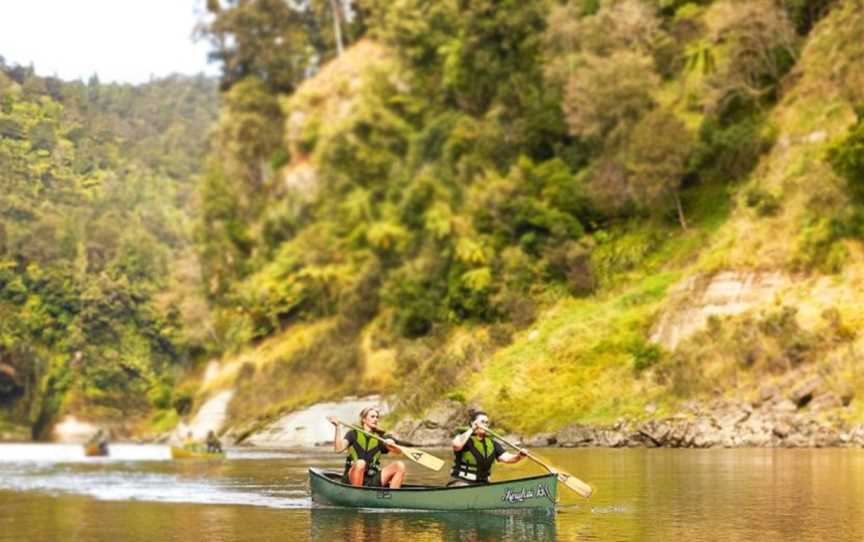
(337,24)
(681,218)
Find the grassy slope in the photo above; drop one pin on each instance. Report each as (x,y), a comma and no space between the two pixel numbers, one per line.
(576,364)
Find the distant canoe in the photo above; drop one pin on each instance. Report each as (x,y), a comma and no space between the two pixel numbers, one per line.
(183,453)
(535,493)
(95,450)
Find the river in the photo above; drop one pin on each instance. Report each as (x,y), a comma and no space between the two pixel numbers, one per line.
(52,492)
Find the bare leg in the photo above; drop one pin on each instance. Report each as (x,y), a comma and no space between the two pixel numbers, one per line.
(393,475)
(357,473)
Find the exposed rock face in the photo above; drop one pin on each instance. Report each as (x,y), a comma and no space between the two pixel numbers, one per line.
(210,417)
(71,429)
(724,294)
(437,427)
(309,427)
(725,424)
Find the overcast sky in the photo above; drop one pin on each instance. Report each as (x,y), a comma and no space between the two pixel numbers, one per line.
(120,40)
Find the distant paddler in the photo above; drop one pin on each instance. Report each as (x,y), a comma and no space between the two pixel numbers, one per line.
(365,448)
(214,445)
(476,451)
(97,444)
(190,444)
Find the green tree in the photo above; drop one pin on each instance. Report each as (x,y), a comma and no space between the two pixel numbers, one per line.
(266,39)
(658,151)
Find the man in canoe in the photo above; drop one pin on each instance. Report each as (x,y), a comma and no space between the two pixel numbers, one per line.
(214,445)
(475,453)
(97,444)
(363,464)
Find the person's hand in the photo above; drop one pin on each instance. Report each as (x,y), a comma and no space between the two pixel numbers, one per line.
(390,442)
(523,452)
(334,420)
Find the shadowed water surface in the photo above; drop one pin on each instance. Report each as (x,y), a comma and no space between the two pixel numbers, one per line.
(53,492)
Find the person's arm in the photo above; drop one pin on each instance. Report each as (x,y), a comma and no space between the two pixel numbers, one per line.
(339,443)
(507,457)
(391,445)
(462,438)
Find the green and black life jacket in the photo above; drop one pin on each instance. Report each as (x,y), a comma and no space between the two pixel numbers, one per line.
(474,461)
(368,449)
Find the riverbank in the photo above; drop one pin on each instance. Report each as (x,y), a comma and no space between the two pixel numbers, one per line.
(774,423)
(807,417)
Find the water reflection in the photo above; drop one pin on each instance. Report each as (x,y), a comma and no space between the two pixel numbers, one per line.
(375,526)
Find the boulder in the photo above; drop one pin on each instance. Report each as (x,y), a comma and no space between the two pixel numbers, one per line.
(541,440)
(731,417)
(656,432)
(575,435)
(446,414)
(825,401)
(784,407)
(805,392)
(769,394)
(781,430)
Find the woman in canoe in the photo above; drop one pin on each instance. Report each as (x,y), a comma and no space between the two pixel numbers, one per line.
(363,464)
(475,453)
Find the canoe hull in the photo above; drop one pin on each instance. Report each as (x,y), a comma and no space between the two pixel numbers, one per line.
(183,453)
(536,493)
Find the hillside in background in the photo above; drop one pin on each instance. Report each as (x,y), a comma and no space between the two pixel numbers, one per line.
(561,211)
(98,276)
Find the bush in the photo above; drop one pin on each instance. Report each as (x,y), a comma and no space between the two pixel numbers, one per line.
(847,156)
(645,354)
(764,203)
(820,246)
(571,262)
(729,152)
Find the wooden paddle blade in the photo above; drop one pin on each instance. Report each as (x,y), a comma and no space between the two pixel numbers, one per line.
(422,458)
(576,485)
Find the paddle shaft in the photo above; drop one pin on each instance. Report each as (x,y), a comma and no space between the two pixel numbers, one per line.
(569,480)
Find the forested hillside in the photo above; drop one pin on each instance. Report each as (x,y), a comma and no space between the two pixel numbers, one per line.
(498,202)
(97,271)
(562,210)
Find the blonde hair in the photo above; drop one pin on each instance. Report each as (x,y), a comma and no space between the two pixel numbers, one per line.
(366,411)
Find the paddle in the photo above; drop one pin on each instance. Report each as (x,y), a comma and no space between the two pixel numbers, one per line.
(567,479)
(420,457)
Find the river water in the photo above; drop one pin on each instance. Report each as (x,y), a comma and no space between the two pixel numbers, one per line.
(52,492)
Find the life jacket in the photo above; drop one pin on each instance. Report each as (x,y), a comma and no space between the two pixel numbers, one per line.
(366,448)
(474,461)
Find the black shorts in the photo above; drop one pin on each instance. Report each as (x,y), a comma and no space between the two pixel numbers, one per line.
(372,478)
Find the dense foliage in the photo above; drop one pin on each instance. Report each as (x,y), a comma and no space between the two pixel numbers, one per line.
(483,165)
(463,163)
(95,182)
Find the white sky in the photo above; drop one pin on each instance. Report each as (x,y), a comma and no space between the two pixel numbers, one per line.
(120,40)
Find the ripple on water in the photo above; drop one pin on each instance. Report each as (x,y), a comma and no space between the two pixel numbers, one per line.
(58,469)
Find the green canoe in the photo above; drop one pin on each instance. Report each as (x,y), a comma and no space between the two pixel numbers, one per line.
(184,453)
(536,493)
